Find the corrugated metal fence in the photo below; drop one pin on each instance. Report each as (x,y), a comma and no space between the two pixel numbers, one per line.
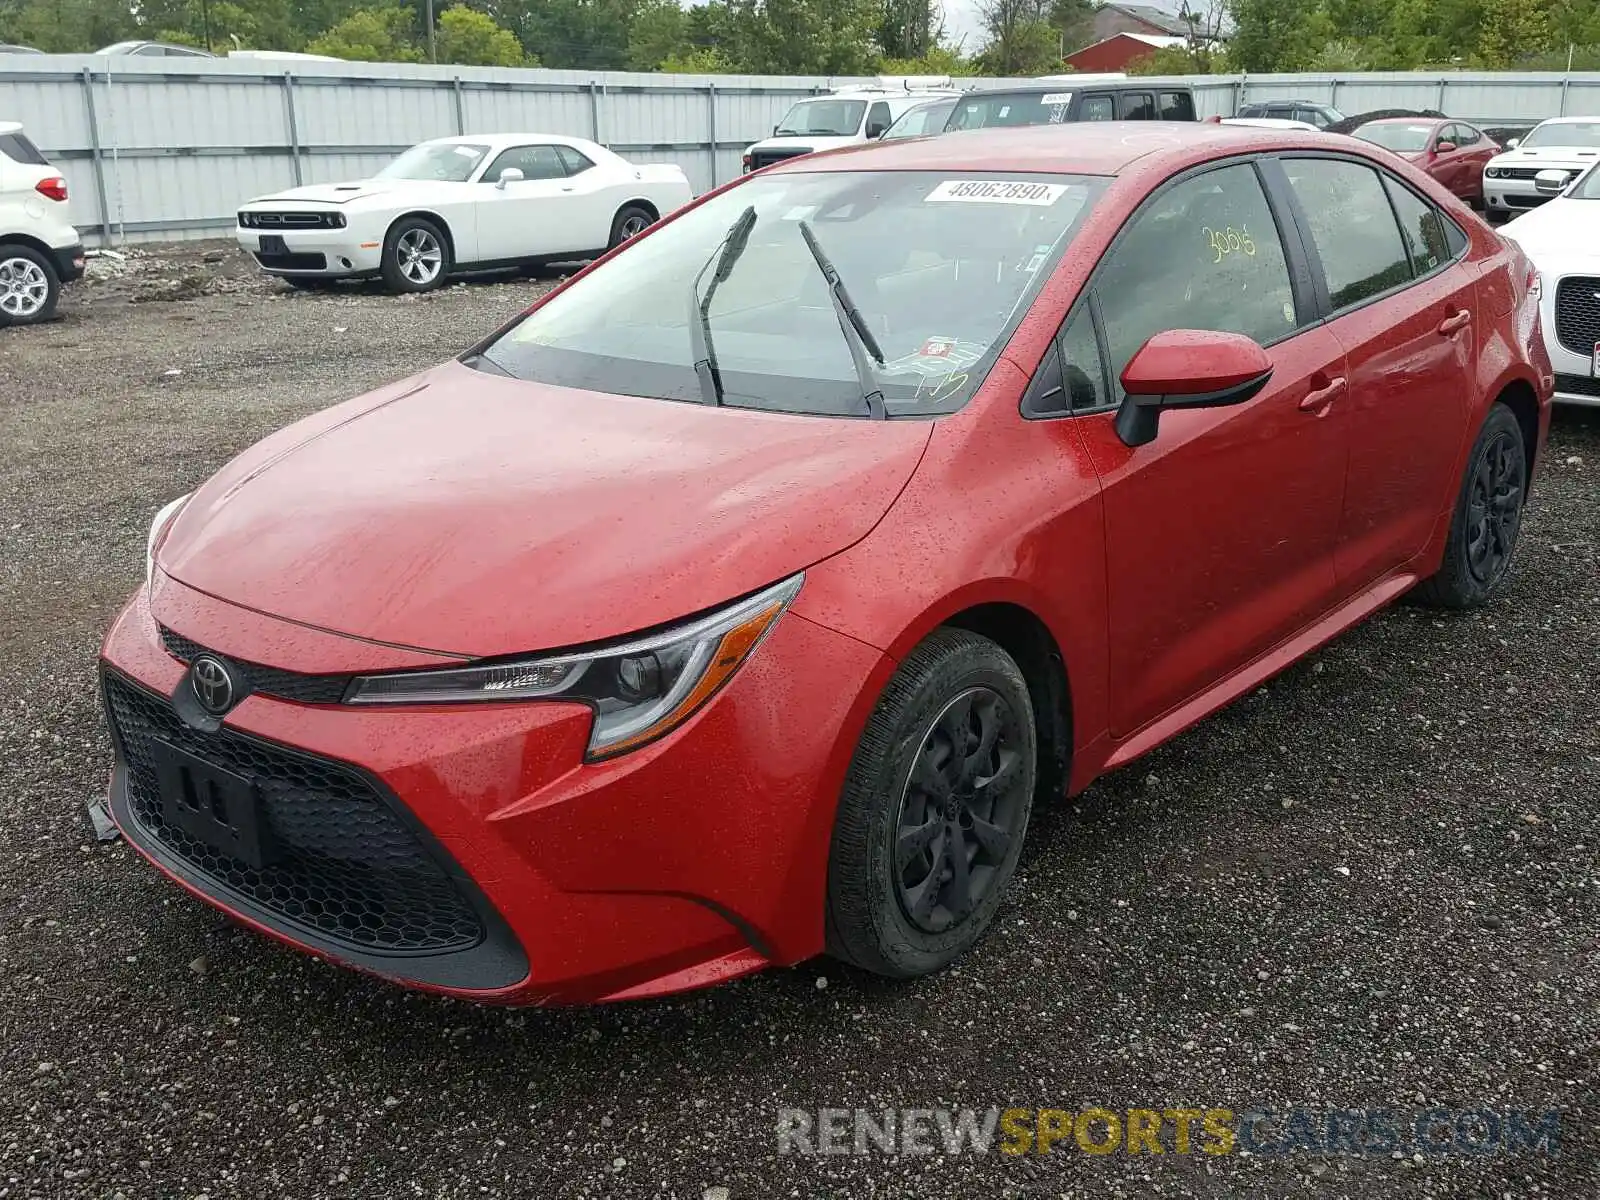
(163,148)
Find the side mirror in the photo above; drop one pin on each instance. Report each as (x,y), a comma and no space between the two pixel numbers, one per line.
(1187,368)
(1550,182)
(1513,143)
(875,130)
(509,175)
(1444,147)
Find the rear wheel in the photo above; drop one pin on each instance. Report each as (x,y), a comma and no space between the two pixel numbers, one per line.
(29,287)
(934,810)
(416,256)
(630,222)
(1487,520)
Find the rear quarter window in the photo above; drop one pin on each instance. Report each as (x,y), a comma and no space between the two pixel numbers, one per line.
(19,149)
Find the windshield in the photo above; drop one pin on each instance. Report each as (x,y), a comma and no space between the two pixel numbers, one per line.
(450,162)
(941,267)
(986,110)
(1404,139)
(828,118)
(1564,133)
(1587,187)
(924,119)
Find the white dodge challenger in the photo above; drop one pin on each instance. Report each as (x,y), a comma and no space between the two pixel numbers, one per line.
(460,204)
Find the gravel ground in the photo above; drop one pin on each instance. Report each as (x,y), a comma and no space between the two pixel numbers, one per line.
(1374,883)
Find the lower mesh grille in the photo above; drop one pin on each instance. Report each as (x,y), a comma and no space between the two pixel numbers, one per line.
(346,867)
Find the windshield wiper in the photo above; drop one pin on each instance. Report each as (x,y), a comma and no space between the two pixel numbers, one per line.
(723,258)
(857,333)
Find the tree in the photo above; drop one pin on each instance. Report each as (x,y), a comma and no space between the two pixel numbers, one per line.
(1073,21)
(941,60)
(909,29)
(585,35)
(1512,30)
(372,35)
(660,31)
(473,39)
(802,37)
(1341,55)
(1021,39)
(701,61)
(1275,35)
(1175,60)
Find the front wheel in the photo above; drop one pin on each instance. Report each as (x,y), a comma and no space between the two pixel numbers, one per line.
(1487,519)
(934,810)
(416,256)
(29,287)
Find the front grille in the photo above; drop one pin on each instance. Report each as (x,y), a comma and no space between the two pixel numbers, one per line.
(765,158)
(293,262)
(1519,172)
(1578,314)
(291,220)
(347,868)
(1578,385)
(1527,201)
(268,681)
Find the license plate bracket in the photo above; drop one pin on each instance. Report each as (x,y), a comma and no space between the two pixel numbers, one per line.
(213,805)
(272,243)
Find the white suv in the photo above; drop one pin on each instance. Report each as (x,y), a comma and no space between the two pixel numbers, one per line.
(39,248)
(845,117)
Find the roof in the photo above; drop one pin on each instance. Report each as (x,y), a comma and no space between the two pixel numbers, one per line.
(1412,121)
(1570,121)
(10,127)
(1159,41)
(1079,148)
(1150,15)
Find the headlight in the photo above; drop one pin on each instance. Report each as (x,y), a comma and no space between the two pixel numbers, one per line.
(640,689)
(1492,172)
(158,530)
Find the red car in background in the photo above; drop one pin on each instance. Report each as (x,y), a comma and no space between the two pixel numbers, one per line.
(1453,152)
(739,600)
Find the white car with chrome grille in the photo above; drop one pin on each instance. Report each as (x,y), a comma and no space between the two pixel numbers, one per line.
(1562,238)
(458,205)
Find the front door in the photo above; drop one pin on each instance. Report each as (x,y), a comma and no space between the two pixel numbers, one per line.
(1220,532)
(1404,311)
(532,216)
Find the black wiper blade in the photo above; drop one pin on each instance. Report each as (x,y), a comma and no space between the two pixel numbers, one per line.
(720,264)
(857,333)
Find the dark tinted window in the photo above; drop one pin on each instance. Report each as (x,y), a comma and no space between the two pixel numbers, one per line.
(1253,110)
(1204,254)
(1177,106)
(878,119)
(535,162)
(1083,375)
(1421,227)
(986,110)
(1097,108)
(1352,226)
(575,162)
(1138,106)
(18,148)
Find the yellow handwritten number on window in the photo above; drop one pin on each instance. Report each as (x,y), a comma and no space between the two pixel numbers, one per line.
(1224,242)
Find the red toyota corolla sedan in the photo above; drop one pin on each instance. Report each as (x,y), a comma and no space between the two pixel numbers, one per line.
(739,600)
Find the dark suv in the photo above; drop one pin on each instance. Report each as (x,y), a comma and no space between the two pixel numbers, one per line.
(1309,111)
(1060,101)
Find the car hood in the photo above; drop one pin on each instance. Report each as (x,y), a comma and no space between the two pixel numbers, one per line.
(472,514)
(805,142)
(1562,231)
(1546,156)
(344,193)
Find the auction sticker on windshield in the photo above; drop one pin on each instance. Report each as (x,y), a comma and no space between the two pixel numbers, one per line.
(996,191)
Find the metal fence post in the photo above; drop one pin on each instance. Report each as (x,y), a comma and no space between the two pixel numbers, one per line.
(1440,104)
(99,157)
(594,112)
(461,115)
(294,127)
(1333,93)
(711,99)
(1239,85)
(1566,83)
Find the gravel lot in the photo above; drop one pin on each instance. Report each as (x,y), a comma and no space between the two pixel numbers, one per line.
(1374,883)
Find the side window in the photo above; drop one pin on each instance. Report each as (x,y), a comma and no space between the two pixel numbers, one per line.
(1353,227)
(1310,116)
(1097,108)
(1138,106)
(1421,228)
(1177,106)
(878,118)
(1466,135)
(535,162)
(1203,254)
(1071,378)
(574,161)
(1253,110)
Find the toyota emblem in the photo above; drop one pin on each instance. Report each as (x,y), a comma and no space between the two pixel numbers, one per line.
(213,684)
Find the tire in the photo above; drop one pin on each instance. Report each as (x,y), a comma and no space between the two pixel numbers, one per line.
(416,256)
(895,906)
(29,286)
(1487,518)
(631,220)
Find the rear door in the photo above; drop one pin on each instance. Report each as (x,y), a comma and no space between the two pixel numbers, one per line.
(1401,303)
(1136,106)
(1098,106)
(1220,532)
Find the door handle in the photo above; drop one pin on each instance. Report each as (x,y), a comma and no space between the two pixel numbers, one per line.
(1451,326)
(1321,399)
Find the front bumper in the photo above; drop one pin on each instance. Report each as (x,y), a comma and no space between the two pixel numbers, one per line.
(1576,382)
(68,261)
(313,253)
(691,861)
(1516,195)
